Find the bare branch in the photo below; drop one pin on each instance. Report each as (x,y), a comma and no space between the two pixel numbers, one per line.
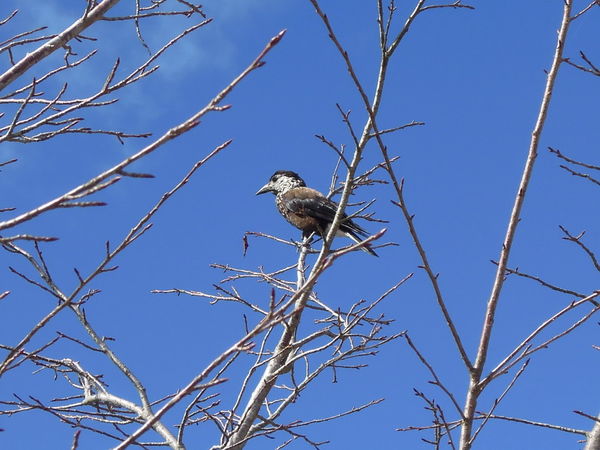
(560,155)
(577,240)
(9,17)
(546,284)
(498,400)
(56,43)
(168,136)
(593,437)
(586,9)
(524,347)
(436,381)
(581,175)
(515,217)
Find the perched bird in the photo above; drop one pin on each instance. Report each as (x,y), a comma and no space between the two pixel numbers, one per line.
(308,209)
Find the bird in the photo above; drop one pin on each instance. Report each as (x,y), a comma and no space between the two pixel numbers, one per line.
(309,210)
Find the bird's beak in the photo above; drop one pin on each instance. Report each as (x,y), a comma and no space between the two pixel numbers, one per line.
(263,190)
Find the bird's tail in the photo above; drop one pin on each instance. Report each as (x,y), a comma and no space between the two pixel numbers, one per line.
(364,247)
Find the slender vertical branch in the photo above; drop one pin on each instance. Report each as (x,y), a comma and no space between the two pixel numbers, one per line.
(282,351)
(474,386)
(372,109)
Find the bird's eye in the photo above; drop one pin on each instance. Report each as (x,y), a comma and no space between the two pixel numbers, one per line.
(274,178)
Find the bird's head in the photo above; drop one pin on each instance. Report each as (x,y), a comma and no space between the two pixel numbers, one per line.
(282,181)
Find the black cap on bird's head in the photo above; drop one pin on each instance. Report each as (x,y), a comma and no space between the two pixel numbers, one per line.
(282,181)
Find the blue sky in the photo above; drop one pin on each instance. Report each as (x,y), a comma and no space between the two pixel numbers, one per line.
(474,77)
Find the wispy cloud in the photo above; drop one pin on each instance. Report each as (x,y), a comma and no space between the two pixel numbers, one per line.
(212,46)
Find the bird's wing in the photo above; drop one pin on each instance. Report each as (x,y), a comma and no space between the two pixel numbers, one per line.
(309,202)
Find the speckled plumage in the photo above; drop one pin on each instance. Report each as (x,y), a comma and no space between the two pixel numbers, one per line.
(307,209)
